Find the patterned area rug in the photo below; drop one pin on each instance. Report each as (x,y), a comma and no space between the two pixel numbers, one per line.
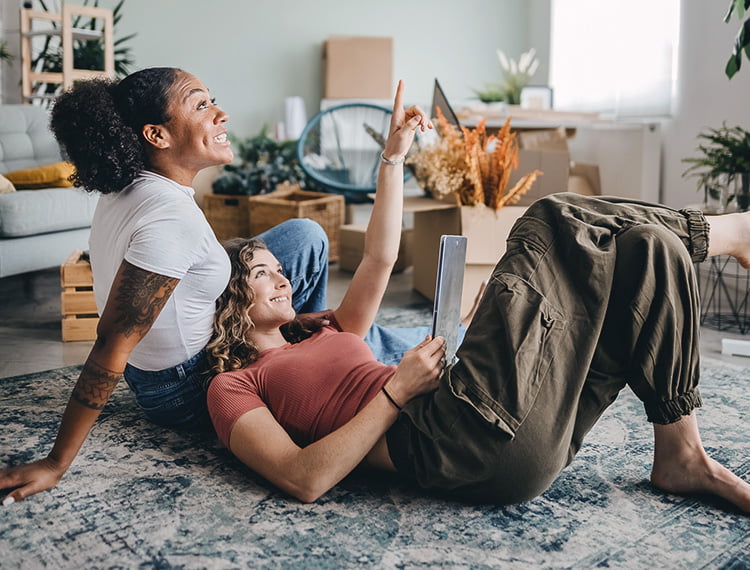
(143,496)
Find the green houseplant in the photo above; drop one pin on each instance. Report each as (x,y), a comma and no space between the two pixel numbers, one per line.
(516,76)
(742,41)
(263,163)
(724,160)
(87,54)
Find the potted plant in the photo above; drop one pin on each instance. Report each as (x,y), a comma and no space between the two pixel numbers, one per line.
(263,164)
(724,163)
(87,53)
(516,76)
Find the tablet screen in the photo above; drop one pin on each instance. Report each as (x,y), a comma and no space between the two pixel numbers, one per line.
(446,312)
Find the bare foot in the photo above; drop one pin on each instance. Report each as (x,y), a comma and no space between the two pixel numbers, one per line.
(681,465)
(730,234)
(702,475)
(743,253)
(466,320)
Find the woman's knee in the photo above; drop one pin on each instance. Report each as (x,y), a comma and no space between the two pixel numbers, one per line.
(297,238)
(653,241)
(309,233)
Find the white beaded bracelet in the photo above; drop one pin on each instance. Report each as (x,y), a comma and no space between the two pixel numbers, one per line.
(393,162)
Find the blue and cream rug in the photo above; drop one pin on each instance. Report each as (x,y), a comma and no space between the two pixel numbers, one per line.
(143,496)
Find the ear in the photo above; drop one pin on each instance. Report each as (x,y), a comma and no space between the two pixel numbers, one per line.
(156,135)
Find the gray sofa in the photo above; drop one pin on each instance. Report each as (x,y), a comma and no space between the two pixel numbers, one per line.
(38,228)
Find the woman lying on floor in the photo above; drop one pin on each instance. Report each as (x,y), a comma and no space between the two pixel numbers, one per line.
(592,294)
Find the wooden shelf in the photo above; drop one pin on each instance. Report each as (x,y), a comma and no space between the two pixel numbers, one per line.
(78,34)
(62,27)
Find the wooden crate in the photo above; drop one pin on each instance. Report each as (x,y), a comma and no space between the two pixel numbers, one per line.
(227,215)
(289,202)
(78,308)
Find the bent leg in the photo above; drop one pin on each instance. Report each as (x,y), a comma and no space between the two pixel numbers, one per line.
(650,339)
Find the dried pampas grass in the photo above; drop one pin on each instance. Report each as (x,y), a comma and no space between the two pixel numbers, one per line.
(474,168)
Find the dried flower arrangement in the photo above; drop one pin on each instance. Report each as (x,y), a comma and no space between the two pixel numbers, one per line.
(475,167)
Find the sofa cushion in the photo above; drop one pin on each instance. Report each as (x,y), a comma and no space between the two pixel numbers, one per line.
(25,138)
(48,176)
(6,185)
(27,212)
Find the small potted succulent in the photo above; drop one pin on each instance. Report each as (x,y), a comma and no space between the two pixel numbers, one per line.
(723,166)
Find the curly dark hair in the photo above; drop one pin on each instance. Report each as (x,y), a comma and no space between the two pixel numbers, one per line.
(98,124)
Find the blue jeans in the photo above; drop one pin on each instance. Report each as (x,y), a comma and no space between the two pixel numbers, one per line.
(176,396)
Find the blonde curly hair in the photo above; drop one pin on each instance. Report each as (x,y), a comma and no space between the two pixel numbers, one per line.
(231,346)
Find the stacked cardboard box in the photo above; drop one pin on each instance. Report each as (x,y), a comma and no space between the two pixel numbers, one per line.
(485,228)
(353,246)
(358,67)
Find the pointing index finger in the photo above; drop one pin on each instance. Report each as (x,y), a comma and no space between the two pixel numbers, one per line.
(398,102)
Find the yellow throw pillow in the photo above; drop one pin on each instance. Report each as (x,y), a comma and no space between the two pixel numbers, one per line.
(49,176)
(6,186)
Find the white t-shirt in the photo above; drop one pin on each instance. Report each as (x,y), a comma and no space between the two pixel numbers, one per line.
(155,224)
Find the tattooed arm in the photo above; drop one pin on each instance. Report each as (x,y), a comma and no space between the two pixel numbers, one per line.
(136,299)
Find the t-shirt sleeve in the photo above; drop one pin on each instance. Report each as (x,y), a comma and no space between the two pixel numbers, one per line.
(169,245)
(231,395)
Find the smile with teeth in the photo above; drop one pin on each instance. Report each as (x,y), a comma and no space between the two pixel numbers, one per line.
(279,299)
(222,138)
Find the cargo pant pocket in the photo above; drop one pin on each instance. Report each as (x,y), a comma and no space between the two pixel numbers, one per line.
(506,355)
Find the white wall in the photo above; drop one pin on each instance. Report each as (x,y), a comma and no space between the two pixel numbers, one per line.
(705,96)
(253,54)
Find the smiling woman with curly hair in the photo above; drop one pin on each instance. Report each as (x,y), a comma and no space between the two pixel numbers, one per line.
(158,267)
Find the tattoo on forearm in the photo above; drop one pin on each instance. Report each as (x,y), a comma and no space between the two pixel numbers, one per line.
(140,298)
(94,386)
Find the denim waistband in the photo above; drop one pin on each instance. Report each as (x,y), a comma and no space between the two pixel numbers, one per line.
(198,363)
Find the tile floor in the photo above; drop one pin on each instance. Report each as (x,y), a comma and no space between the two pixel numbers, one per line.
(30,321)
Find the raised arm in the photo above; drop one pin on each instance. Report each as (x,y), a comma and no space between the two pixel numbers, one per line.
(261,443)
(136,299)
(362,299)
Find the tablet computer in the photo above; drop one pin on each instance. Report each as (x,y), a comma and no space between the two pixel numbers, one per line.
(449,284)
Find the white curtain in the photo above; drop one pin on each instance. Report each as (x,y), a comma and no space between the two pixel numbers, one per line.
(612,57)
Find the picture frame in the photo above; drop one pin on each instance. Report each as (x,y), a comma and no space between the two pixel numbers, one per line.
(536,97)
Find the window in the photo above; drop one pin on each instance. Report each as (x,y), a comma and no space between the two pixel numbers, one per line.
(615,58)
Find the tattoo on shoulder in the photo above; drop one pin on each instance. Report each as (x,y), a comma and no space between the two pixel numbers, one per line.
(140,298)
(95,385)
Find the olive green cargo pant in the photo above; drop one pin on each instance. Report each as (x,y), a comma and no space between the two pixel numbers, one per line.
(592,294)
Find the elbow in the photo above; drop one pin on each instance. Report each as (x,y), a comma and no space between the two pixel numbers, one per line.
(308,494)
(380,260)
(310,488)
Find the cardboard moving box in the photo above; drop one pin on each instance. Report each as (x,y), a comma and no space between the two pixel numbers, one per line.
(358,67)
(555,167)
(486,230)
(352,246)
